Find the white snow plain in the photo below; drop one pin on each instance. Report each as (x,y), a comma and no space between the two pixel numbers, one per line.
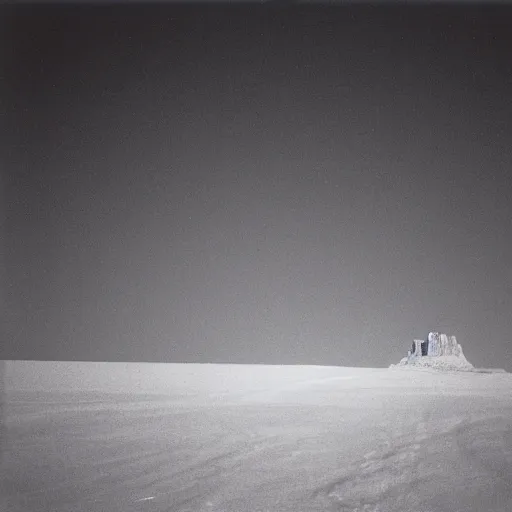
(122,437)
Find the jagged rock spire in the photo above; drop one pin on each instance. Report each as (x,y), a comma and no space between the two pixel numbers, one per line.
(437,351)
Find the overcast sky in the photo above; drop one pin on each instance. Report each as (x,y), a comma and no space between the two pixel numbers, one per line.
(291,186)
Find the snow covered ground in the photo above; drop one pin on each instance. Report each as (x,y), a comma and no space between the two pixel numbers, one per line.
(117,437)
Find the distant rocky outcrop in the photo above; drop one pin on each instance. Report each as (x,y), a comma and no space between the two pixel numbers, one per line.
(438,351)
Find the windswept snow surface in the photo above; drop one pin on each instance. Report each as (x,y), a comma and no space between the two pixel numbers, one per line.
(236,438)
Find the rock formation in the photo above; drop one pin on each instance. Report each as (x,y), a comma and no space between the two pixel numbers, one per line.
(438,351)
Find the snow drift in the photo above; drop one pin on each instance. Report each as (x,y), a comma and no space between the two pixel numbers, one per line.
(233,438)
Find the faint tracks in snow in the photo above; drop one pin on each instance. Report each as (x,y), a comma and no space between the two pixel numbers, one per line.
(487,445)
(392,477)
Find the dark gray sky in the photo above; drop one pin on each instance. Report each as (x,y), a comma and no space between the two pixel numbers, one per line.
(314,185)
